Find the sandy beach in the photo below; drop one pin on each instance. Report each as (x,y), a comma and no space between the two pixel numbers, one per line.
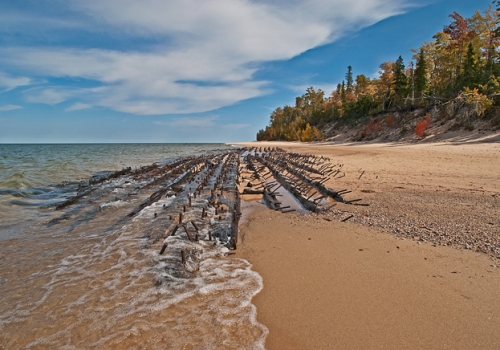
(416,269)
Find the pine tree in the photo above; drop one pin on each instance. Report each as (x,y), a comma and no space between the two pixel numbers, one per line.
(343,96)
(349,81)
(400,79)
(421,74)
(470,73)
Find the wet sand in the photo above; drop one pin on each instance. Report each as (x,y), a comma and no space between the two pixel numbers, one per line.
(362,285)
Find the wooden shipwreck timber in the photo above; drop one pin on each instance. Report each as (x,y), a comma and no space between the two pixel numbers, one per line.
(192,203)
(304,176)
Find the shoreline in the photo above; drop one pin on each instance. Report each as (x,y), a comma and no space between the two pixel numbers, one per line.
(348,285)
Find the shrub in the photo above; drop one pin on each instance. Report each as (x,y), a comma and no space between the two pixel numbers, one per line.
(372,127)
(389,120)
(422,125)
(310,134)
(479,102)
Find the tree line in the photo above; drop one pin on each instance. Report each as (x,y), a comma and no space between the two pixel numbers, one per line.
(462,61)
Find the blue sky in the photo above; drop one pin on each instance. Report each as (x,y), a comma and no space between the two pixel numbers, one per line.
(189,70)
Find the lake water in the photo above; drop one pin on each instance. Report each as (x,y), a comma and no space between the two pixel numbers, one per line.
(90,276)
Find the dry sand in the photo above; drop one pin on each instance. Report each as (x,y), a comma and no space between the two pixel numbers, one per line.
(391,277)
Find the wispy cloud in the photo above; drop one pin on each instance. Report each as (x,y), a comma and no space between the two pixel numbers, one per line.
(203,54)
(78,107)
(50,95)
(8,82)
(7,108)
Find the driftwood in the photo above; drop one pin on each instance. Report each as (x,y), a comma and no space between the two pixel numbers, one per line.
(163,248)
(347,218)
(252,191)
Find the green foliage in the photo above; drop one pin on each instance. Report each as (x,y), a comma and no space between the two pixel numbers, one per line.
(361,106)
(400,80)
(421,74)
(471,73)
(349,82)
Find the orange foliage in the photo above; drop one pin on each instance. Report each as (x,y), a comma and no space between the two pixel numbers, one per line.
(422,125)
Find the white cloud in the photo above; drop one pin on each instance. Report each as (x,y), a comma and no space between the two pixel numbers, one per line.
(50,96)
(210,50)
(6,108)
(8,82)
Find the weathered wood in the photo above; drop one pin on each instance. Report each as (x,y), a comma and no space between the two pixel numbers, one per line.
(277,188)
(330,206)
(324,180)
(195,226)
(353,200)
(319,198)
(163,248)
(187,232)
(347,218)
(311,195)
(175,230)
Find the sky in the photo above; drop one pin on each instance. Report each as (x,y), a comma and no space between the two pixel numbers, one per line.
(162,71)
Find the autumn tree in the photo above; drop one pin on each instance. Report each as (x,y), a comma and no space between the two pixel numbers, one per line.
(487,41)
(385,84)
(460,36)
(362,86)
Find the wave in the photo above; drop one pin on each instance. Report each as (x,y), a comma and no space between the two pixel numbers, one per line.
(18,180)
(96,271)
(38,196)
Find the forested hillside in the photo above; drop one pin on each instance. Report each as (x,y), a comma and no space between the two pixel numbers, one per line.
(456,75)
